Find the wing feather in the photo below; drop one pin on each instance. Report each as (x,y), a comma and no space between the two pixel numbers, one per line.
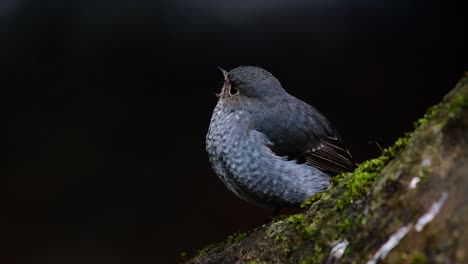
(330,156)
(299,132)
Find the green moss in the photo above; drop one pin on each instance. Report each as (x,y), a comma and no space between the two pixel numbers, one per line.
(279,238)
(345,225)
(205,250)
(279,218)
(402,258)
(311,200)
(418,259)
(460,101)
(315,259)
(339,178)
(358,183)
(298,222)
(236,238)
(183,257)
(307,232)
(347,251)
(391,152)
(430,113)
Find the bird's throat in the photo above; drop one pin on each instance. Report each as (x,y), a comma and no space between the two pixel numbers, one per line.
(226,91)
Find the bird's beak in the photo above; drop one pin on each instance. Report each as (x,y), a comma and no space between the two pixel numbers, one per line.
(225,73)
(225,92)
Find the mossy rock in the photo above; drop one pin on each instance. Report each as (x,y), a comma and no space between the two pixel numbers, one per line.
(407,206)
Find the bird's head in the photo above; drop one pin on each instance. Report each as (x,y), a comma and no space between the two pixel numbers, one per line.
(250,81)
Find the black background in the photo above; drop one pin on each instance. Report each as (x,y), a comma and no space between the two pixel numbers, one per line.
(106,105)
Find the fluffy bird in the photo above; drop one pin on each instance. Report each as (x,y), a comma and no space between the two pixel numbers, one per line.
(269,147)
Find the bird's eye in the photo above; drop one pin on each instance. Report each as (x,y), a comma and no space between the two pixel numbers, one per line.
(233,90)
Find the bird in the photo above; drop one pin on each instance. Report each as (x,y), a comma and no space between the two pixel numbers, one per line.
(268,147)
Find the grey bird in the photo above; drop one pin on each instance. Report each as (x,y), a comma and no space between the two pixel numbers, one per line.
(267,146)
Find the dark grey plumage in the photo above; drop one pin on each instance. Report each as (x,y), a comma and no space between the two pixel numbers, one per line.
(267,146)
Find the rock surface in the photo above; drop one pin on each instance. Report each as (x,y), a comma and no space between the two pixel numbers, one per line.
(408,206)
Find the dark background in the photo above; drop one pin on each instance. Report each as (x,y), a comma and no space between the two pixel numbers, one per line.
(106,105)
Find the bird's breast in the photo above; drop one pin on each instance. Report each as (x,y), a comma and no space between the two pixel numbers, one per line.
(227,127)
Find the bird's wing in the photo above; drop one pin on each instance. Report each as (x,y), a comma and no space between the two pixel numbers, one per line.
(305,135)
(330,155)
